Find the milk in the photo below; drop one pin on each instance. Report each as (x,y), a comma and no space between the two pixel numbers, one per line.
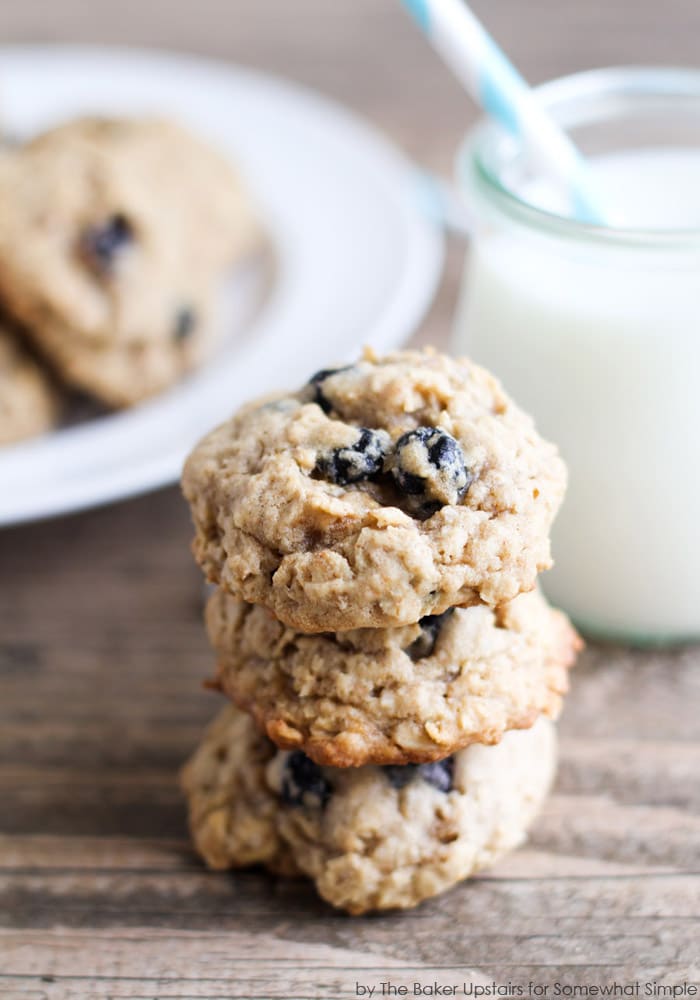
(602,345)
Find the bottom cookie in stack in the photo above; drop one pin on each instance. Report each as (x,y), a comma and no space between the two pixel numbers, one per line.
(371,838)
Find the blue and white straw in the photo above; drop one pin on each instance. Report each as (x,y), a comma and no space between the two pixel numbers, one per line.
(495,84)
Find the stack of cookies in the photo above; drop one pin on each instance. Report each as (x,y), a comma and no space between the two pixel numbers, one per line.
(115,237)
(375,539)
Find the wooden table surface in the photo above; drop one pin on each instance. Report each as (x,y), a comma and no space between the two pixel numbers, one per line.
(102,652)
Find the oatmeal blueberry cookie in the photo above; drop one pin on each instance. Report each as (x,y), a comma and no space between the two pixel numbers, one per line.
(380,493)
(371,838)
(114,235)
(28,402)
(394,696)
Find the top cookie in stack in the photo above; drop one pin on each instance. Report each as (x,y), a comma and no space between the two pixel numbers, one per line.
(378,494)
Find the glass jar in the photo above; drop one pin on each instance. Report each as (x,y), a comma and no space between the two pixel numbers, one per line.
(596,332)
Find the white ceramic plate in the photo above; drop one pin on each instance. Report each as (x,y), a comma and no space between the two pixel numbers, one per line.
(356,260)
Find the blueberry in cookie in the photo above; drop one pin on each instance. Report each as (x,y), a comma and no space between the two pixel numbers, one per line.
(438,774)
(101,244)
(430,627)
(303,782)
(316,382)
(185,324)
(428,469)
(360,460)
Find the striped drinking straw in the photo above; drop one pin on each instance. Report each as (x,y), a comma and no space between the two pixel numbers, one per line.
(497,86)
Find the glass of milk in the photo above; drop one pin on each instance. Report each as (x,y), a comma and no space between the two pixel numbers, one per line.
(596,331)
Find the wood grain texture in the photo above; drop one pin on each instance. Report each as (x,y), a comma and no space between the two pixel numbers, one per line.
(102,654)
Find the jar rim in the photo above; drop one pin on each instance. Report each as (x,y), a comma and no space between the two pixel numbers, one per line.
(657,86)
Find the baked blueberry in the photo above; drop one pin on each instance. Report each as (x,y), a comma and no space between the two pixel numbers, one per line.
(185,323)
(428,468)
(400,775)
(303,783)
(355,462)
(102,244)
(438,774)
(316,382)
(430,627)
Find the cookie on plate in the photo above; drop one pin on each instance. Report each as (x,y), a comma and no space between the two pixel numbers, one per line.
(114,236)
(378,494)
(371,838)
(394,696)
(28,401)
